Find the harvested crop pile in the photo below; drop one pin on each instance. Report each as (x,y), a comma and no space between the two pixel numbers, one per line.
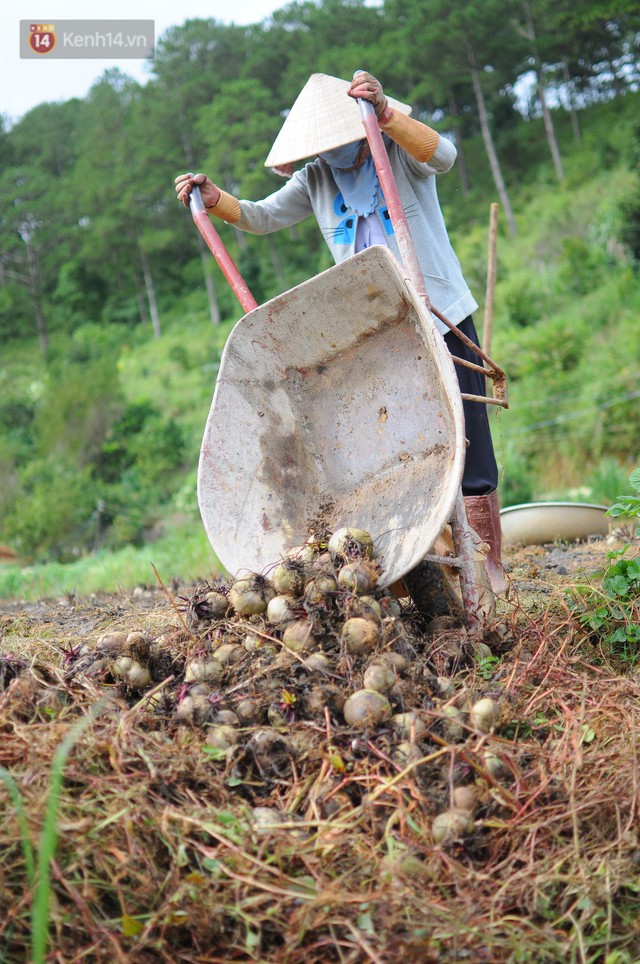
(325,778)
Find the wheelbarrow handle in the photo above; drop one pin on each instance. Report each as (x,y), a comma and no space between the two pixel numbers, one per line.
(392,198)
(216,245)
(408,251)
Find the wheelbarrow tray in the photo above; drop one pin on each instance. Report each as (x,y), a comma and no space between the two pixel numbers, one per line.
(336,403)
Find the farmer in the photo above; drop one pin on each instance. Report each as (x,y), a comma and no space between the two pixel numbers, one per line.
(340,187)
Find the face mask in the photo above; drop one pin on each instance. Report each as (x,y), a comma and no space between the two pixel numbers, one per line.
(342,157)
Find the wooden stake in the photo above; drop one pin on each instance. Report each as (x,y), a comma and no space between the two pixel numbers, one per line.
(491,279)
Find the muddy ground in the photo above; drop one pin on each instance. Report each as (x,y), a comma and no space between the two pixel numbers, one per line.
(531,569)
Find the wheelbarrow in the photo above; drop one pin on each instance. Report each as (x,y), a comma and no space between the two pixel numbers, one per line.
(337,403)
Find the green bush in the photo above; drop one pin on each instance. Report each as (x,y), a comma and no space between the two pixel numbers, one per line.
(581,267)
(93,341)
(80,293)
(180,355)
(159,451)
(521,297)
(185,499)
(79,403)
(143,445)
(620,423)
(131,466)
(54,518)
(118,449)
(9,484)
(16,312)
(630,230)
(16,424)
(139,467)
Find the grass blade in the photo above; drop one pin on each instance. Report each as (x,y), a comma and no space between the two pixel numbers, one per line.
(49,838)
(16,797)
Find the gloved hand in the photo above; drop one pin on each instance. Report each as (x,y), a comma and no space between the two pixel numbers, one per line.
(210,191)
(366,86)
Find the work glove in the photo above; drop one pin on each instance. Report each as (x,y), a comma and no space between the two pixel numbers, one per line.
(366,86)
(210,191)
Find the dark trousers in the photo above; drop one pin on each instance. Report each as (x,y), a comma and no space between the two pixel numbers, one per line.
(480,474)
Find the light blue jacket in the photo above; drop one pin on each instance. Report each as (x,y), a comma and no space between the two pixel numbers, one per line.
(312,190)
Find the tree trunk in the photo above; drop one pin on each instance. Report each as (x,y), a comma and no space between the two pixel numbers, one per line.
(488,141)
(462,163)
(142,308)
(151,293)
(575,124)
(548,126)
(41,324)
(214,308)
(43,336)
(546,114)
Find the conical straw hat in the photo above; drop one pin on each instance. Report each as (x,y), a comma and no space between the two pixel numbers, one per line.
(322,117)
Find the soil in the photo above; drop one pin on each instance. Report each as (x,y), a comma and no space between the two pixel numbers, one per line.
(540,569)
(240,818)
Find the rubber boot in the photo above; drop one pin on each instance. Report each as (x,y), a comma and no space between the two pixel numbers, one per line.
(483,513)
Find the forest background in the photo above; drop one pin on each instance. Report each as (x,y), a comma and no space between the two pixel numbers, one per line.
(113,315)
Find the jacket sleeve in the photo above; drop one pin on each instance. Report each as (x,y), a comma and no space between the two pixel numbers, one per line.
(427,151)
(289,205)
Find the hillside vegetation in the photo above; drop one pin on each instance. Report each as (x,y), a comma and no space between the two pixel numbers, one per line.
(113,318)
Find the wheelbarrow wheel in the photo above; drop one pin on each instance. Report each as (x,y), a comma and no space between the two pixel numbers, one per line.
(432,591)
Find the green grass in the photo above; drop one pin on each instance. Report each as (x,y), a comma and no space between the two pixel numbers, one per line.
(183,553)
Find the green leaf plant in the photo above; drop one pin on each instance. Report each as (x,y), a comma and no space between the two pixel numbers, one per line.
(611,612)
(628,506)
